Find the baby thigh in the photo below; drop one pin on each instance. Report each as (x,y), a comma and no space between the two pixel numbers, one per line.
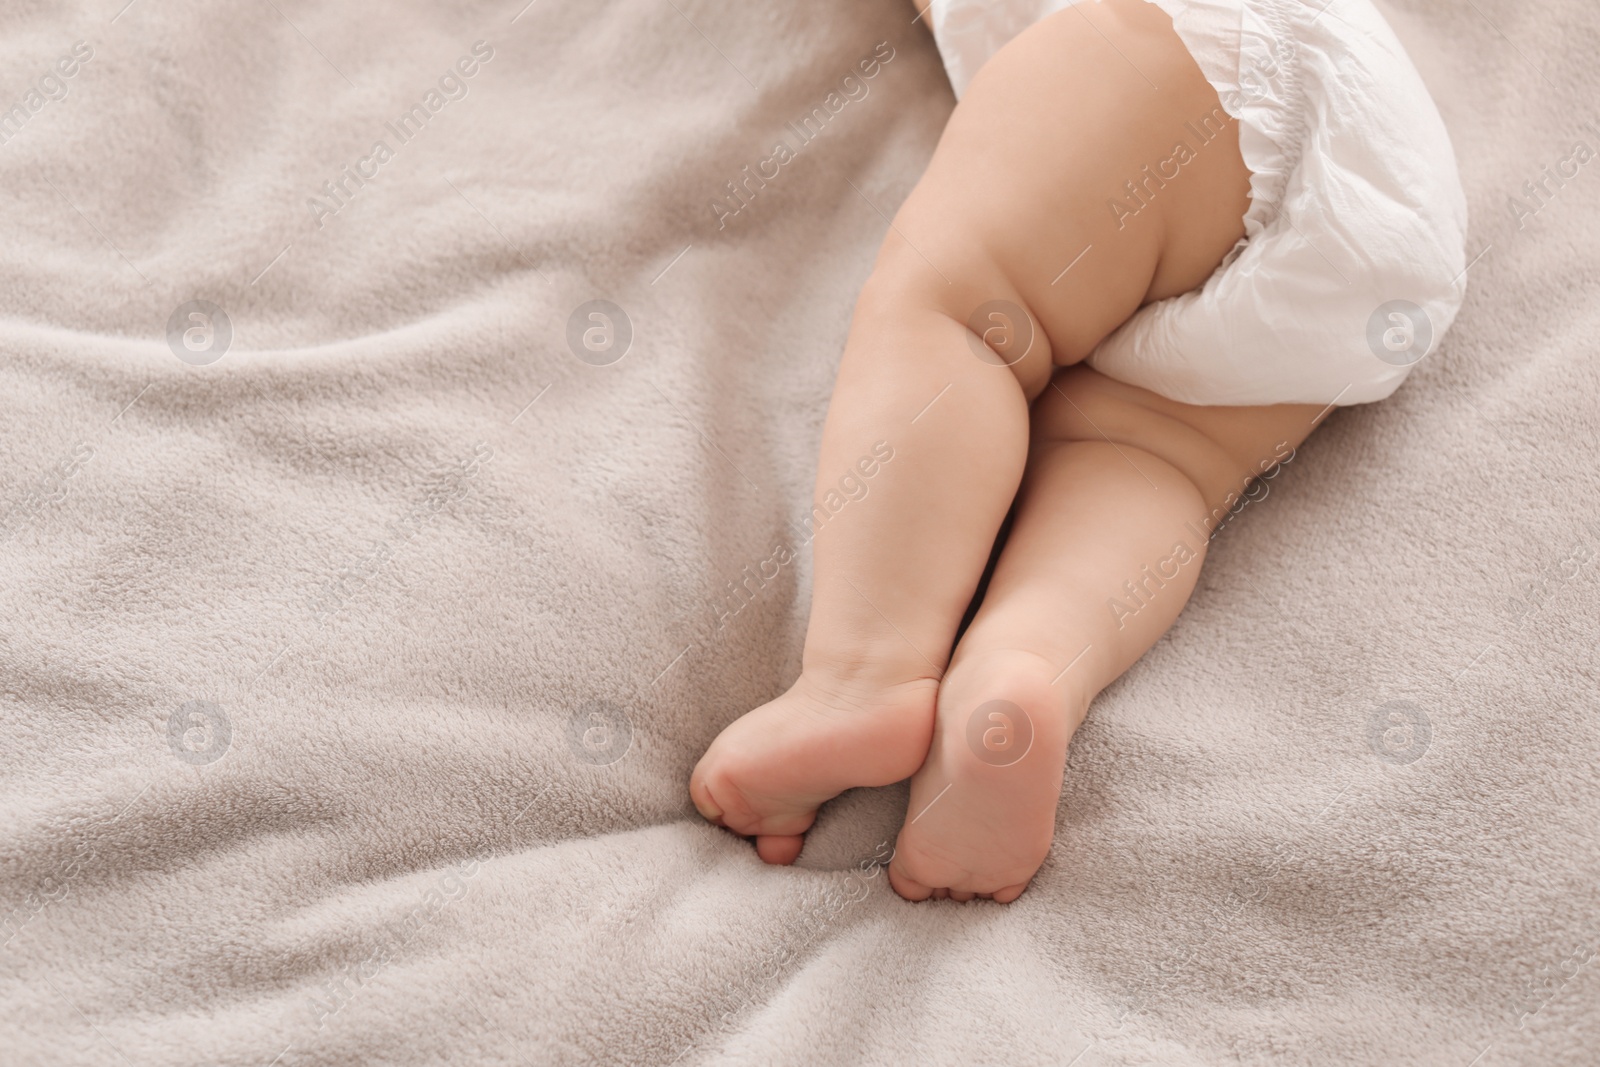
(1088,170)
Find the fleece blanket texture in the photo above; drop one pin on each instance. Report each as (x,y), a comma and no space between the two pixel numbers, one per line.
(409,416)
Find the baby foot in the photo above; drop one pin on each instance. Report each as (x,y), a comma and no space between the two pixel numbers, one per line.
(766,774)
(983,807)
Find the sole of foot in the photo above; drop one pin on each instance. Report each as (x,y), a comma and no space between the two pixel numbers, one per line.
(983,807)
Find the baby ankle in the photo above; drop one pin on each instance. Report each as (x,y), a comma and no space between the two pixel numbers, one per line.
(860,678)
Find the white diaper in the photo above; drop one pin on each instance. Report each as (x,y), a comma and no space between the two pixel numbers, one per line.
(1354,256)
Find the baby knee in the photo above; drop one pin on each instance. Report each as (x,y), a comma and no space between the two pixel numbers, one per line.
(981,319)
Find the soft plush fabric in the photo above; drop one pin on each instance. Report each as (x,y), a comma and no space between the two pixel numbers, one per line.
(356,641)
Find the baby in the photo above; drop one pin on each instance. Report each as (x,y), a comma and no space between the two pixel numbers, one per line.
(1156,244)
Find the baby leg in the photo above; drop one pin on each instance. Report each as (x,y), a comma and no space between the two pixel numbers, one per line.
(895,570)
(1121,492)
(1048,132)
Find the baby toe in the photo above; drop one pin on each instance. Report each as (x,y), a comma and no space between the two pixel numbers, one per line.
(704,802)
(907,887)
(1009,893)
(780,850)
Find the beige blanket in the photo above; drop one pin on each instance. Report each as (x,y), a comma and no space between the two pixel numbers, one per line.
(367,590)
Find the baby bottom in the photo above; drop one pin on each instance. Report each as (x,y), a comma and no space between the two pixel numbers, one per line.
(1000,272)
